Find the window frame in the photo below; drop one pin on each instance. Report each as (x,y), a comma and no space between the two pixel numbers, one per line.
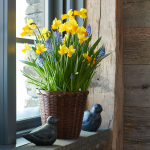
(8,124)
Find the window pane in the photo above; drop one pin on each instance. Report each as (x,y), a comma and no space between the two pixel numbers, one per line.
(31,9)
(27,101)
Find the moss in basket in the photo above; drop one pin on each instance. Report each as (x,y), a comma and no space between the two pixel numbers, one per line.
(64,63)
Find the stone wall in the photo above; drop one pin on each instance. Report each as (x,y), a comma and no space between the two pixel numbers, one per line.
(33,11)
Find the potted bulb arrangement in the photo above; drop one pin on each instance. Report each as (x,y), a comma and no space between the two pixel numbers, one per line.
(66,64)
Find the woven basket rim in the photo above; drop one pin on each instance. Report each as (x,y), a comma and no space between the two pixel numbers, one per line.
(45,92)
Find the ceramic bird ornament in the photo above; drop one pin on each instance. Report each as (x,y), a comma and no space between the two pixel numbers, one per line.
(44,135)
(92,118)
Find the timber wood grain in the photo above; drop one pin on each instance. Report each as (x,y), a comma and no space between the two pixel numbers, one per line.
(137,97)
(137,125)
(136,46)
(136,14)
(133,1)
(137,85)
(117,143)
(133,146)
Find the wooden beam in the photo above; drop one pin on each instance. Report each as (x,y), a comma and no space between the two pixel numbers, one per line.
(136,46)
(137,125)
(137,85)
(117,143)
(133,146)
(136,15)
(133,1)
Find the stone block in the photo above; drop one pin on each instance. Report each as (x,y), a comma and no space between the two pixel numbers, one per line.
(31,102)
(35,8)
(37,18)
(33,1)
(31,88)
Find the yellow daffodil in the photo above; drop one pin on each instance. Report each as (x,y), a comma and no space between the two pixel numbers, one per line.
(93,62)
(39,37)
(67,27)
(25,28)
(65,38)
(26,48)
(29,21)
(56,23)
(71,50)
(49,33)
(81,13)
(62,28)
(82,38)
(77,73)
(89,59)
(85,55)
(81,30)
(40,48)
(44,31)
(29,32)
(72,25)
(63,49)
(68,15)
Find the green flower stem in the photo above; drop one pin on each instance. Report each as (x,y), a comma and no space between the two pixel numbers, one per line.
(83,22)
(40,34)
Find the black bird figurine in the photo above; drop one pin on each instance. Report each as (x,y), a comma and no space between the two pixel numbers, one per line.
(44,135)
(92,118)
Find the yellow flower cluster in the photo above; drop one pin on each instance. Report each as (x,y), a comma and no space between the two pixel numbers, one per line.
(28,28)
(85,55)
(71,25)
(64,49)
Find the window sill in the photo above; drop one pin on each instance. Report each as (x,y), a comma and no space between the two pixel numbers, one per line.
(85,141)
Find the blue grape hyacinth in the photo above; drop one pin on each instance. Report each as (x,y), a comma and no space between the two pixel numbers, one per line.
(41,42)
(58,37)
(102,52)
(40,60)
(48,45)
(71,77)
(88,30)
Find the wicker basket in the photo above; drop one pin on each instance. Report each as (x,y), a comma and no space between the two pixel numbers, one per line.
(67,106)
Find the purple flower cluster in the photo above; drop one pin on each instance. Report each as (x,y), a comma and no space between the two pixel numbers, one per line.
(58,37)
(88,30)
(102,52)
(48,45)
(71,77)
(40,60)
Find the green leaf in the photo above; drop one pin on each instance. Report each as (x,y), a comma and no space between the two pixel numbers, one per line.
(28,63)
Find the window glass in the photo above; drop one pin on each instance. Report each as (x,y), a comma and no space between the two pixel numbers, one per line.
(31,9)
(27,101)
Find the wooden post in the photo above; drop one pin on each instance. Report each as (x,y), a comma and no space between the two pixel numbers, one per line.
(107,86)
